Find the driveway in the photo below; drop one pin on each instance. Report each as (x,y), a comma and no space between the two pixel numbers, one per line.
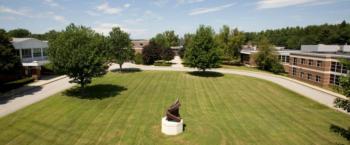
(34,93)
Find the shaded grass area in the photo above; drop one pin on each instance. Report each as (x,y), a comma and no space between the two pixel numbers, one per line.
(229,109)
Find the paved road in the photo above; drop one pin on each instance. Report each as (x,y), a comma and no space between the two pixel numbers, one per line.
(317,94)
(33,95)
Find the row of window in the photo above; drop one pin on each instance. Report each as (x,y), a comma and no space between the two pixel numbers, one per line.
(334,79)
(309,62)
(338,67)
(284,58)
(309,75)
(27,53)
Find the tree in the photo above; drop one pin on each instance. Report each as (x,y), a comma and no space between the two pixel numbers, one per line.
(167,54)
(172,38)
(80,53)
(151,52)
(230,42)
(120,47)
(187,40)
(344,84)
(167,39)
(266,58)
(19,33)
(10,63)
(202,53)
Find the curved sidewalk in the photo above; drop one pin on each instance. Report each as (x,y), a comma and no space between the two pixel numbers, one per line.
(317,94)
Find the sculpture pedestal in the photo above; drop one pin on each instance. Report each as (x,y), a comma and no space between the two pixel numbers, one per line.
(171,128)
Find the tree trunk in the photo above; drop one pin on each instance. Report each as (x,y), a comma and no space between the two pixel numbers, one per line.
(120,67)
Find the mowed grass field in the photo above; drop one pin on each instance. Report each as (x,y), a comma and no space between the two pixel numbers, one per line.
(127,109)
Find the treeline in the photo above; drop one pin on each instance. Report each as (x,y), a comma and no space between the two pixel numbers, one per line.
(294,37)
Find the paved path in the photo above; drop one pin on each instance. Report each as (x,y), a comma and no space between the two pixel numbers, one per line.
(33,93)
(177,63)
(315,93)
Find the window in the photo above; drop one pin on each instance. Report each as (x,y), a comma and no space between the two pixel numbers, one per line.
(318,78)
(319,63)
(44,51)
(26,53)
(309,76)
(37,52)
(295,61)
(301,74)
(334,79)
(333,65)
(338,67)
(311,62)
(302,61)
(294,72)
(287,59)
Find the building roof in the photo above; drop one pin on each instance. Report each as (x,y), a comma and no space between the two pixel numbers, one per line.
(25,43)
(334,55)
(139,44)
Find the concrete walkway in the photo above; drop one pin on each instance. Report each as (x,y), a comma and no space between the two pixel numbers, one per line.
(32,93)
(317,94)
(177,62)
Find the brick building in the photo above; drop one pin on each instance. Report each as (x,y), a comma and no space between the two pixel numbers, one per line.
(139,44)
(319,64)
(314,64)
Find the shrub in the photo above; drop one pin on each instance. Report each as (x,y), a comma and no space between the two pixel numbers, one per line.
(151,53)
(138,58)
(162,63)
(277,68)
(167,54)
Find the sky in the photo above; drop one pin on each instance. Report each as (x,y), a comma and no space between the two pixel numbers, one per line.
(143,19)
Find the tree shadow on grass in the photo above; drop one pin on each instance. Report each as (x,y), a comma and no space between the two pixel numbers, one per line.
(341,131)
(99,91)
(206,74)
(127,70)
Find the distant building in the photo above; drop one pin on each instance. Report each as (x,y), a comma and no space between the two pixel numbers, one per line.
(314,64)
(248,52)
(139,44)
(319,64)
(33,54)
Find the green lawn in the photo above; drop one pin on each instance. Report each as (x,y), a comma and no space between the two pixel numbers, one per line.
(127,109)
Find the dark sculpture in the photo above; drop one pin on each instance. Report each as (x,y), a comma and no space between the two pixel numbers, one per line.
(172,114)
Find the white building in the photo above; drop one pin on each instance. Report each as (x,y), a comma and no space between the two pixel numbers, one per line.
(33,54)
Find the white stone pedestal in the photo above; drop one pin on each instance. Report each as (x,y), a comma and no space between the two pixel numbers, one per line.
(172,128)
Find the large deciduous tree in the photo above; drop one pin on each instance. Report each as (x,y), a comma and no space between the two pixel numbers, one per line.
(120,47)
(230,42)
(202,53)
(80,53)
(19,33)
(10,62)
(267,58)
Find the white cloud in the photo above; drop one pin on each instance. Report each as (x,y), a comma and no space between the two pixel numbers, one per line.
(4,9)
(127,5)
(270,4)
(52,3)
(105,28)
(209,10)
(188,1)
(107,9)
(60,18)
